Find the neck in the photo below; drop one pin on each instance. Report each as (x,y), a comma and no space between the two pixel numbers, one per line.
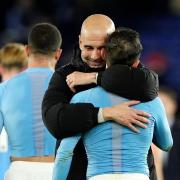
(39,61)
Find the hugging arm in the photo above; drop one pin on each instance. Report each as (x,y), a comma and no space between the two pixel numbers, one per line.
(61,118)
(162,133)
(133,83)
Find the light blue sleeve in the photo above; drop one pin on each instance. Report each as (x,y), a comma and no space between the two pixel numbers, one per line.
(162,133)
(64,157)
(65,151)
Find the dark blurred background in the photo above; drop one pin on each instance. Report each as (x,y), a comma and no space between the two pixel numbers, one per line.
(158,22)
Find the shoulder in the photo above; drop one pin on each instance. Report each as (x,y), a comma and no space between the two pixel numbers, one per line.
(85,95)
(17,77)
(14,82)
(3,90)
(156,102)
(157,108)
(2,87)
(61,73)
(66,69)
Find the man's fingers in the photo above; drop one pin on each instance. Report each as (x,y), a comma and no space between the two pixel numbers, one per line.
(142,119)
(140,124)
(70,75)
(71,85)
(73,90)
(69,82)
(133,128)
(143,114)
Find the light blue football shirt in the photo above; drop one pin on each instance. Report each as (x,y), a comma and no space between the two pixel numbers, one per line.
(113,148)
(20,113)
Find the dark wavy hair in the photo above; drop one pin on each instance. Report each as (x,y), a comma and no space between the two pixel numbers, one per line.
(123,46)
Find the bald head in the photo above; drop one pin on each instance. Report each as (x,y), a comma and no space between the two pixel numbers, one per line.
(97,24)
(94,32)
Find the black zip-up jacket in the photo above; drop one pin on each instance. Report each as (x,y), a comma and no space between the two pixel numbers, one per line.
(63,119)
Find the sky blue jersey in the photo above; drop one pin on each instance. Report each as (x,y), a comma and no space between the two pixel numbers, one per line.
(113,148)
(20,113)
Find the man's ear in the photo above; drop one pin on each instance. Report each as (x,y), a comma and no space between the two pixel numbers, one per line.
(27,50)
(136,63)
(1,69)
(80,43)
(57,54)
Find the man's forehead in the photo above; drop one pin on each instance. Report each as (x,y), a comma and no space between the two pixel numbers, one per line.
(94,33)
(95,43)
(93,37)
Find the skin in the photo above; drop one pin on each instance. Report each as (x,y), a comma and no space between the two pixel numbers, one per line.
(94,32)
(40,60)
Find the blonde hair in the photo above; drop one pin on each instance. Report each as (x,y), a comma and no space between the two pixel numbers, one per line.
(13,55)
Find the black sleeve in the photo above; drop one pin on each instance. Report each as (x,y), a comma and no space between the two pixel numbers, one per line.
(151,165)
(61,118)
(132,83)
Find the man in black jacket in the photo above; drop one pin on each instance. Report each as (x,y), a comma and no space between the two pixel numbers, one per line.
(63,119)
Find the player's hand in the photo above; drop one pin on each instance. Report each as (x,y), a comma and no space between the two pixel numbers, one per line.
(124,115)
(80,78)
